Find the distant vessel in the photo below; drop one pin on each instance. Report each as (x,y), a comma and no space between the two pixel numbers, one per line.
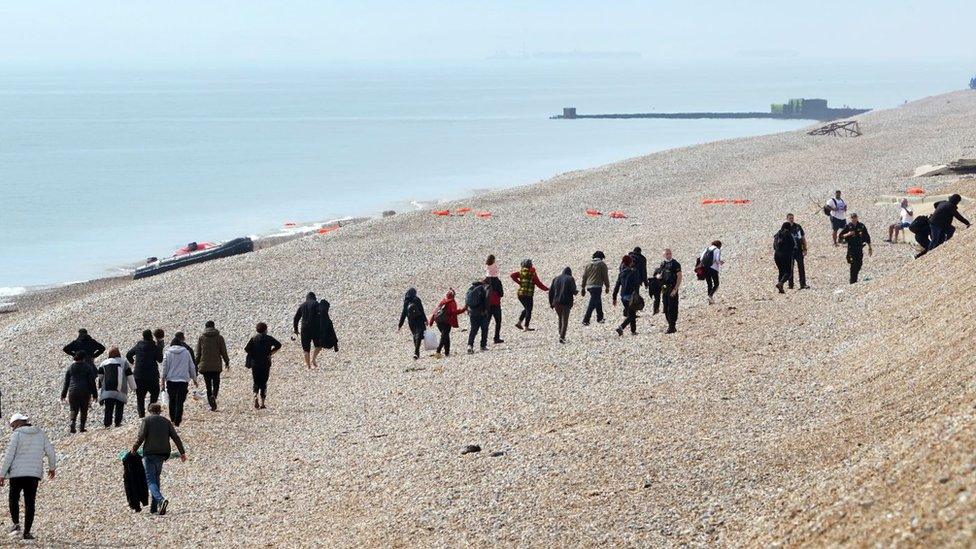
(794,109)
(227,249)
(565,55)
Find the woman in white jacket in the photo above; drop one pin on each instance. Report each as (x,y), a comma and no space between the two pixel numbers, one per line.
(114,382)
(23,464)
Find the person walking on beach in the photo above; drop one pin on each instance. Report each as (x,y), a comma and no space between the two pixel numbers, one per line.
(836,209)
(146,356)
(783,254)
(906,216)
(528,281)
(669,273)
(476,303)
(178,370)
(86,344)
(446,318)
(495,293)
(23,466)
(79,389)
(711,261)
(627,288)
(212,359)
(562,292)
(413,314)
(114,381)
(155,432)
(259,349)
(596,279)
(640,264)
(308,315)
(325,337)
(799,251)
(855,234)
(160,336)
(940,221)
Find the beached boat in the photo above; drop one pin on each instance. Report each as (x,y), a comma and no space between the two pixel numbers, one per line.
(227,249)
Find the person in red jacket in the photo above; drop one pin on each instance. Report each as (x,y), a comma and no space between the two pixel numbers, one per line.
(446,317)
(528,281)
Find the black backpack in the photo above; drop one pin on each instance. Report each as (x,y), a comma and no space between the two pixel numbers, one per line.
(708,258)
(783,244)
(414,312)
(440,315)
(476,298)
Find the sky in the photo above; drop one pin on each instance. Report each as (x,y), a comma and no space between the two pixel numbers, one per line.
(185,33)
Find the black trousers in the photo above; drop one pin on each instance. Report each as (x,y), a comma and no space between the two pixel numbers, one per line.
(711,280)
(630,317)
(78,403)
(27,485)
(670,306)
(595,304)
(113,408)
(478,322)
(654,290)
(526,315)
(141,391)
(562,312)
(495,313)
(855,256)
(445,342)
(177,397)
(212,381)
(259,378)
(784,264)
(798,259)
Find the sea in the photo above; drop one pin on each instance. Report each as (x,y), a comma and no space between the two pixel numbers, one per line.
(101,168)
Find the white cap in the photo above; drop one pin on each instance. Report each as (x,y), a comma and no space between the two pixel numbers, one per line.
(18,417)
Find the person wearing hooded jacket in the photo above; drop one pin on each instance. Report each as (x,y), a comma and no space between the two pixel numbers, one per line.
(940,222)
(23,465)
(561,293)
(476,302)
(640,264)
(627,287)
(259,349)
(79,389)
(178,370)
(145,356)
(495,293)
(783,244)
(596,278)
(413,314)
(308,315)
(528,281)
(446,317)
(114,381)
(325,336)
(86,344)
(211,360)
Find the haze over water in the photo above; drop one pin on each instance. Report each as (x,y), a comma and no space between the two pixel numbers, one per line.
(102,168)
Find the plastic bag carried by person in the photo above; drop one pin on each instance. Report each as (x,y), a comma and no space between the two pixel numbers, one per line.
(431,339)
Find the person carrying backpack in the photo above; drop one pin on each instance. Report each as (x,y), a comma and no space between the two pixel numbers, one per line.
(561,294)
(413,314)
(628,288)
(476,303)
(115,379)
(836,210)
(445,316)
(325,336)
(783,255)
(669,273)
(711,261)
(495,293)
(528,281)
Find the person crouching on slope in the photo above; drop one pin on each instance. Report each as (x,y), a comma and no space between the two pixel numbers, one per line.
(413,314)
(446,317)
(561,294)
(528,281)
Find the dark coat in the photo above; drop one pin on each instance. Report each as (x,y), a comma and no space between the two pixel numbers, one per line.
(85,344)
(326,334)
(146,356)
(308,315)
(79,380)
(628,283)
(419,323)
(134,482)
(563,289)
(259,349)
(211,352)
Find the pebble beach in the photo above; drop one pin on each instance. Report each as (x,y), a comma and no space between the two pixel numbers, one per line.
(838,415)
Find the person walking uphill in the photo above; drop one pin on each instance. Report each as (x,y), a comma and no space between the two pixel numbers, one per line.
(783,244)
(211,360)
(84,343)
(495,293)
(114,382)
(596,279)
(628,288)
(446,317)
(178,370)
(260,348)
(855,234)
(799,251)
(155,432)
(640,264)
(308,315)
(23,465)
(561,293)
(940,222)
(711,261)
(325,336)
(146,356)
(669,273)
(79,389)
(528,281)
(476,302)
(413,314)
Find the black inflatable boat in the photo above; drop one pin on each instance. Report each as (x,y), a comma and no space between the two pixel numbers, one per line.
(232,247)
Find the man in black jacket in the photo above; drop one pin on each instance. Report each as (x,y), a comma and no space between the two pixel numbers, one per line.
(640,264)
(669,273)
(940,221)
(799,251)
(308,315)
(146,357)
(84,343)
(855,234)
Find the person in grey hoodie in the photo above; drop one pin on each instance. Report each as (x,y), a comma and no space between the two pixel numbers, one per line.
(178,370)
(23,464)
(596,277)
(561,293)
(115,379)
(79,389)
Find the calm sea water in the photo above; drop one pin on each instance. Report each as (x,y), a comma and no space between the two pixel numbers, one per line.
(103,168)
